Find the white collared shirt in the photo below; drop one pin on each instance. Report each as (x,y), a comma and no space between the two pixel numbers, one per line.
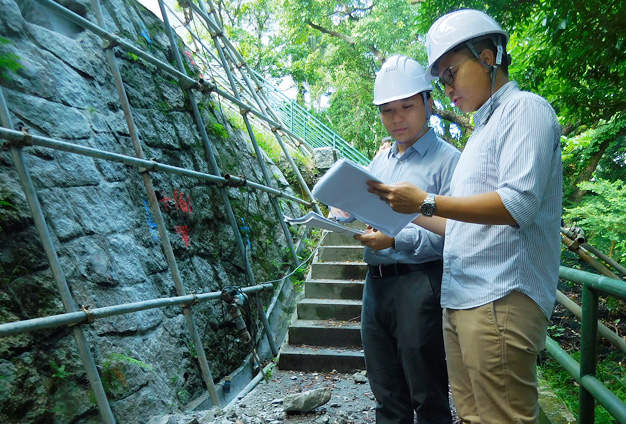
(515,152)
(429,164)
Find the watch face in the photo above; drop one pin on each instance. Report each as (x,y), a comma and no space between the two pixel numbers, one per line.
(428,209)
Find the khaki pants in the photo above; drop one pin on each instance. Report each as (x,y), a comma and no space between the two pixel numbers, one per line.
(491,353)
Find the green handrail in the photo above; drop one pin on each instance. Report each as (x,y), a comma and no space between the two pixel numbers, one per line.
(307,126)
(590,388)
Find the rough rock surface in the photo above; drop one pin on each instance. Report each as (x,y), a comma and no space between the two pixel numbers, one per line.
(104,230)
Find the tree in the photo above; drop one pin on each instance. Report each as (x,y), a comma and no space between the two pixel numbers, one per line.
(574,54)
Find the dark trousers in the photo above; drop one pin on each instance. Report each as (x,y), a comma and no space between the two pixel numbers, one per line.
(401,328)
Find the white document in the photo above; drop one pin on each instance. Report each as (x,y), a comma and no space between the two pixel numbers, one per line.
(313,219)
(344,187)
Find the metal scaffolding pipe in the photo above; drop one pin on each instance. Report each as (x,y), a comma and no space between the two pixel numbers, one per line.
(87,316)
(574,246)
(215,30)
(215,169)
(27,139)
(259,156)
(261,102)
(154,203)
(605,258)
(114,41)
(66,298)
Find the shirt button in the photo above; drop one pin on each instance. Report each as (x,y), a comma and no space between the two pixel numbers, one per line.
(446,270)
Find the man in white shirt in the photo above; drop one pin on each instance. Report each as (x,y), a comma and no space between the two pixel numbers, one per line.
(401,323)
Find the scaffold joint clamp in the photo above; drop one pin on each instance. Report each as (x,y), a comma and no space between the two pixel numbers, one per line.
(109,44)
(235,182)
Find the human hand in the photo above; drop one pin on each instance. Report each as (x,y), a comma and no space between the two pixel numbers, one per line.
(339,213)
(402,197)
(374,239)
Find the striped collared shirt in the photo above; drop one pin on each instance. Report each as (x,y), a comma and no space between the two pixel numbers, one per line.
(515,152)
(429,164)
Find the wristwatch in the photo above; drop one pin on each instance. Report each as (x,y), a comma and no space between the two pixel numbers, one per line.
(428,207)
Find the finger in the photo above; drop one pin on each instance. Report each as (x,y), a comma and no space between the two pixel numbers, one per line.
(377,186)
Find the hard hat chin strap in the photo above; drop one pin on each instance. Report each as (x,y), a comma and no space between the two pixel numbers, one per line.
(427,110)
(492,68)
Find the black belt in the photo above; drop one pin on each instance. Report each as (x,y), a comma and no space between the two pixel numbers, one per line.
(393,270)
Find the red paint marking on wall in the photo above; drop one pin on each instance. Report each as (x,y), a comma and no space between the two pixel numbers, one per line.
(179,202)
(183,230)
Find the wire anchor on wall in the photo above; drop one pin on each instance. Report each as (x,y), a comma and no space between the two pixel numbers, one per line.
(236,299)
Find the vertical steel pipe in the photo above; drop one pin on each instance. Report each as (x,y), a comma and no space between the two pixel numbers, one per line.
(158,217)
(588,353)
(59,277)
(215,169)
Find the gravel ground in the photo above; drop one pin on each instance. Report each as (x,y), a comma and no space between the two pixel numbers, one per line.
(352,401)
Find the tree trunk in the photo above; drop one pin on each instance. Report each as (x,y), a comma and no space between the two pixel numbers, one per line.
(578,194)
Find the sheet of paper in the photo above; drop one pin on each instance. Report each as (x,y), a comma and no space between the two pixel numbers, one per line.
(344,187)
(313,219)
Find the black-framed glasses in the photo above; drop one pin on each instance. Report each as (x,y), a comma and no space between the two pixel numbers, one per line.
(447,77)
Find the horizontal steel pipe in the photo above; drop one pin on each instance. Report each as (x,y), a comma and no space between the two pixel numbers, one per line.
(614,405)
(184,79)
(27,139)
(605,285)
(87,316)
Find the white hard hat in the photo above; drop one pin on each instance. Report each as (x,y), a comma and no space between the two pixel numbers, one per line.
(455,28)
(400,77)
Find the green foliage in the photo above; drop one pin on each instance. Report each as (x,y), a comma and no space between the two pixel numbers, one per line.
(17,270)
(129,360)
(183,396)
(607,139)
(218,130)
(8,61)
(113,375)
(59,371)
(610,372)
(601,215)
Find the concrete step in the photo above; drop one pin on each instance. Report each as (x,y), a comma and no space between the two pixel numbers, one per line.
(326,333)
(340,254)
(334,289)
(311,359)
(338,271)
(338,239)
(333,309)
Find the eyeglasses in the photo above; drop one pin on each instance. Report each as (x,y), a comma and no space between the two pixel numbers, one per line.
(447,77)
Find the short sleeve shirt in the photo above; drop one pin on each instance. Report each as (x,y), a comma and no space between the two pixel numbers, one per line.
(514,151)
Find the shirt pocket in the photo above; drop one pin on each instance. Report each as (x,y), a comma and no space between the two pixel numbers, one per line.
(475,164)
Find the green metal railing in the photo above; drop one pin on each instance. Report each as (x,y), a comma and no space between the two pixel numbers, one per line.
(293,117)
(590,388)
(306,126)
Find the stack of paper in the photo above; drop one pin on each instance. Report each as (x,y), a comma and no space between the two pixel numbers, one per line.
(314,219)
(344,187)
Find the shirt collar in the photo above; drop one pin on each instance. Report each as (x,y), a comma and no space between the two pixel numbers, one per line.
(482,115)
(421,145)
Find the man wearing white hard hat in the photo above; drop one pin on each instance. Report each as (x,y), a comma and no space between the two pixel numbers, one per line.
(501,223)
(401,323)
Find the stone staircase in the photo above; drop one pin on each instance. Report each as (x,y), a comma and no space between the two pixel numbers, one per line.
(325,333)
